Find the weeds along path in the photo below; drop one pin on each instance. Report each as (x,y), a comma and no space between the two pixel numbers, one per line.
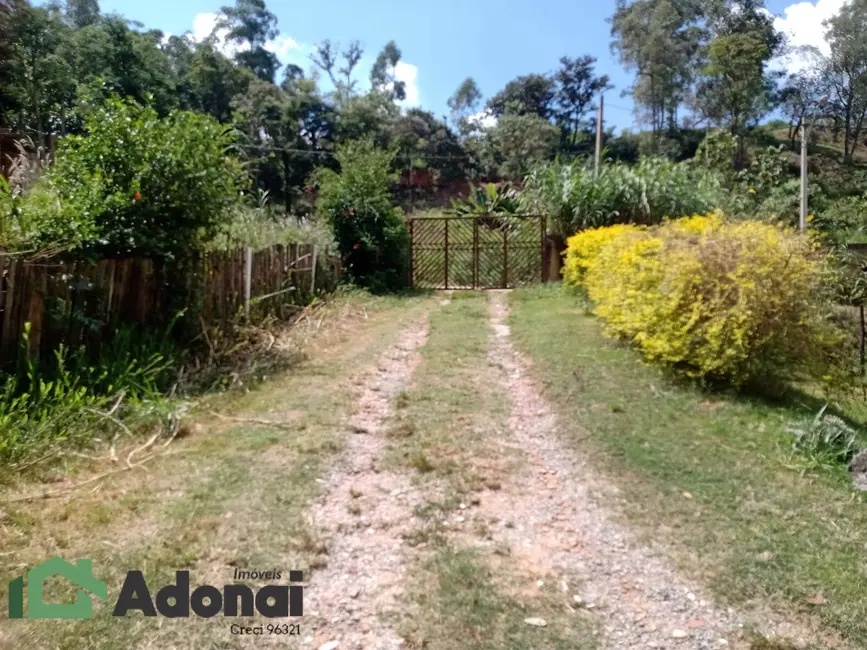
(564,531)
(364,514)
(235,495)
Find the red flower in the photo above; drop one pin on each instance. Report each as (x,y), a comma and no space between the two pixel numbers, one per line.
(136,196)
(309,188)
(377,249)
(357,246)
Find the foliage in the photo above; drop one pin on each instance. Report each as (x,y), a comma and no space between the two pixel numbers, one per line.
(735,302)
(356,202)
(845,219)
(574,198)
(826,440)
(583,248)
(265,226)
(43,408)
(735,91)
(518,142)
(137,184)
(486,200)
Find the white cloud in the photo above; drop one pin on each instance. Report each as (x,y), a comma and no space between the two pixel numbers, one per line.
(803,22)
(408,74)
(483,119)
(282,46)
(203,27)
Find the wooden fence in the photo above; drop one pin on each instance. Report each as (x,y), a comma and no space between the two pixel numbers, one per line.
(74,303)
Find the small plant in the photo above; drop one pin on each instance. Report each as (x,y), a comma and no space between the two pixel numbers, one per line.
(826,440)
(486,200)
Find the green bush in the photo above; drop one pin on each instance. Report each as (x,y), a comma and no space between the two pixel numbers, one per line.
(135,184)
(486,200)
(574,198)
(356,201)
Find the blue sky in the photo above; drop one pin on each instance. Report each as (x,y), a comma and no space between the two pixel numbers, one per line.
(442,43)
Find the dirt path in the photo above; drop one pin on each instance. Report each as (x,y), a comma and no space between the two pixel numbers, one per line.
(565,532)
(364,514)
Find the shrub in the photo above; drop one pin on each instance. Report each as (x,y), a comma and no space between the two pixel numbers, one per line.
(371,236)
(733,302)
(575,198)
(137,184)
(583,249)
(486,200)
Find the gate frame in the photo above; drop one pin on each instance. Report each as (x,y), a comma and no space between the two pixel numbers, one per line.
(543,234)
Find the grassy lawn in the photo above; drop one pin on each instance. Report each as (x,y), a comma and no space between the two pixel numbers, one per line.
(232,496)
(707,474)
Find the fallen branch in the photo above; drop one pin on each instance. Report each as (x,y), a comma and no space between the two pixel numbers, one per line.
(64,491)
(261,423)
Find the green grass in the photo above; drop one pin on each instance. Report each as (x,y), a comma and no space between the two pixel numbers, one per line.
(708,474)
(465,605)
(448,418)
(445,431)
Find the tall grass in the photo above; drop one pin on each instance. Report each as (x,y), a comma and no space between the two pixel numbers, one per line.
(574,198)
(63,402)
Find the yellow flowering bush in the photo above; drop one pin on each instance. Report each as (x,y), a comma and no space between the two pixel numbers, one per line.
(725,301)
(583,248)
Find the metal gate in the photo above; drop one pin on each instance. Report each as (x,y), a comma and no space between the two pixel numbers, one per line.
(488,252)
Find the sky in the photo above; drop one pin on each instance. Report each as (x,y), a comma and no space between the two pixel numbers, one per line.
(444,42)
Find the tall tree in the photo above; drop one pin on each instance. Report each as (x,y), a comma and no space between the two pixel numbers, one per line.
(577,87)
(661,41)
(383,75)
(464,103)
(532,94)
(39,83)
(214,81)
(845,72)
(327,58)
(81,13)
(250,25)
(521,141)
(734,90)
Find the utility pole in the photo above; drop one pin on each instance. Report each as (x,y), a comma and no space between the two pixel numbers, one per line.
(803,220)
(804,175)
(599,135)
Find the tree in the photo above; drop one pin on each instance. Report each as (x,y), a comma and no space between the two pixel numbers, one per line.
(734,90)
(531,94)
(845,71)
(576,87)
(801,93)
(81,13)
(383,75)
(661,41)
(424,142)
(109,58)
(327,58)
(250,25)
(39,82)
(463,103)
(215,81)
(521,141)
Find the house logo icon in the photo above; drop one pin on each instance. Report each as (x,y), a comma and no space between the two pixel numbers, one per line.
(80,573)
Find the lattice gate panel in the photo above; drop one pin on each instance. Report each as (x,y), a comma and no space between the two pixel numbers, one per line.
(476,252)
(428,253)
